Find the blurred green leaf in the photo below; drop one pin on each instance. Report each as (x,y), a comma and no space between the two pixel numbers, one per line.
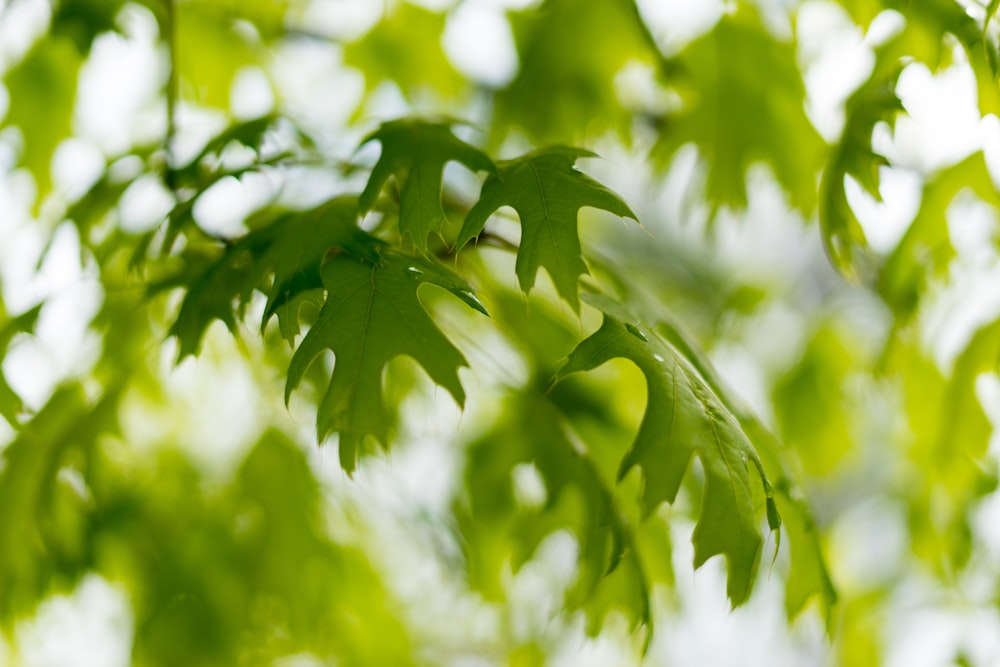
(212,43)
(571,52)
(45,505)
(83,20)
(811,401)
(405,47)
(42,91)
(243,573)
(733,122)
(925,250)
(873,102)
(501,530)
(948,437)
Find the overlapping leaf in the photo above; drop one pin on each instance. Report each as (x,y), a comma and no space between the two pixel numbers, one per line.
(371,315)
(685,418)
(547,193)
(415,152)
(734,122)
(292,248)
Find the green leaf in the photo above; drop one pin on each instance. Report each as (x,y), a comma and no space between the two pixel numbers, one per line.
(808,575)
(213,282)
(42,91)
(685,418)
(292,247)
(547,193)
(10,402)
(213,44)
(250,133)
(372,314)
(873,102)
(925,250)
(811,404)
(949,433)
(84,20)
(405,48)
(571,52)
(295,245)
(415,152)
(733,123)
(207,565)
(45,531)
(500,530)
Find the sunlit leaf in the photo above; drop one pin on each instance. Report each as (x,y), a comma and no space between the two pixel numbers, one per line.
(212,43)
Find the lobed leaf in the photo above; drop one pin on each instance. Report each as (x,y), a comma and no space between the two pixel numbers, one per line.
(415,152)
(685,418)
(547,193)
(873,102)
(808,575)
(371,315)
(733,122)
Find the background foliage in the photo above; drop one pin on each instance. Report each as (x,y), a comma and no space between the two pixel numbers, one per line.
(234,231)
